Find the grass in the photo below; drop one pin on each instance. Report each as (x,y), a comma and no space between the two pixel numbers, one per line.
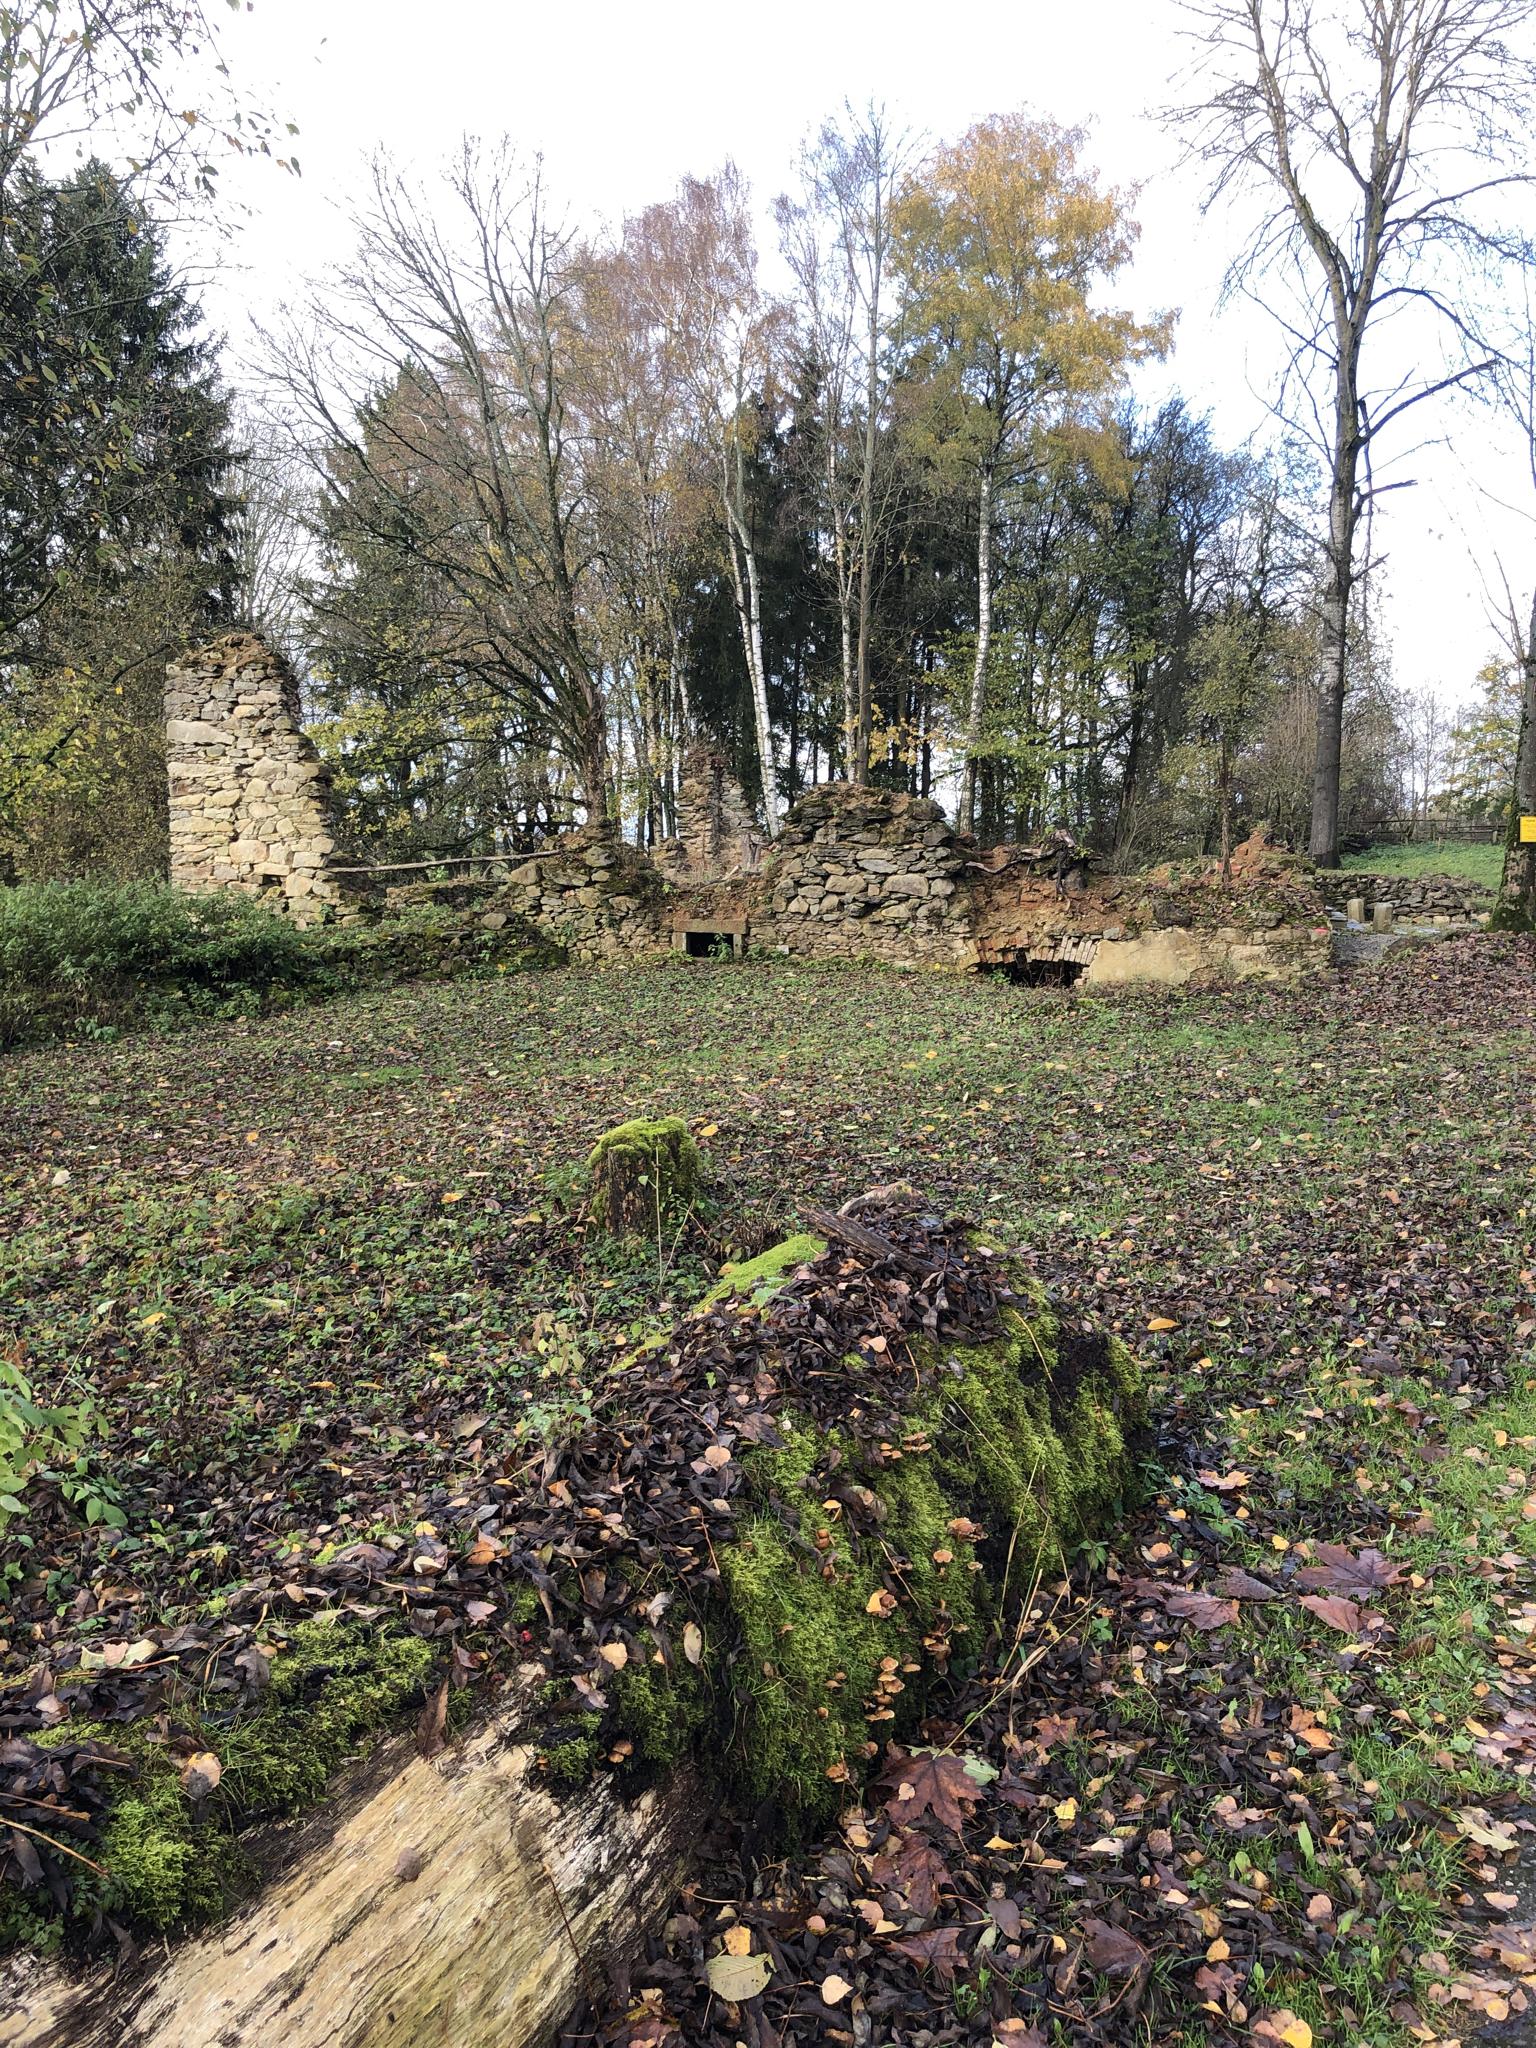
(1483,864)
(316,1258)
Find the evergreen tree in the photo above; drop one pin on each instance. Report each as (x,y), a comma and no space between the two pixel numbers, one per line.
(116,517)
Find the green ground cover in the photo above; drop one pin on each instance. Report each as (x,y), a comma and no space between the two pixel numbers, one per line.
(1483,864)
(310,1271)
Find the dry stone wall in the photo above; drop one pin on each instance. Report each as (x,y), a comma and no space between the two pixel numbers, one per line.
(855,873)
(595,896)
(1412,897)
(859,873)
(718,833)
(249,796)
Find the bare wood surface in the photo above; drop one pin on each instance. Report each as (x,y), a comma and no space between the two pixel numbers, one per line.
(443,1904)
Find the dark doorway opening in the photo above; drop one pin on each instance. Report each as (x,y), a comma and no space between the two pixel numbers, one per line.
(1043,973)
(709,945)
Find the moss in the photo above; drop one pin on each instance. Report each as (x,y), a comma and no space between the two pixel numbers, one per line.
(661,1712)
(166,1867)
(571,1760)
(758,1277)
(1025,1437)
(644,1177)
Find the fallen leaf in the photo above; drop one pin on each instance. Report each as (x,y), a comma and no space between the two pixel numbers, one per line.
(433,1720)
(940,1785)
(1338,1612)
(834,1988)
(200,1773)
(693,1642)
(1112,1950)
(1283,2025)
(1202,1609)
(1340,1568)
(1478,1826)
(939,1949)
(737,1978)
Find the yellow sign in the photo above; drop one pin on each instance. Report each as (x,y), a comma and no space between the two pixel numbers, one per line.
(1527,831)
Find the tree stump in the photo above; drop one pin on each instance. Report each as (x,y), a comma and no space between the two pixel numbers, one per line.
(645,1178)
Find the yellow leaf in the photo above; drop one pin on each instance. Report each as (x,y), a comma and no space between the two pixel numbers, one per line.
(1162,1323)
(1066,1812)
(738,1941)
(734,1978)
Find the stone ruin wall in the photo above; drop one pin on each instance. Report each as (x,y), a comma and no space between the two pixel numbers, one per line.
(856,874)
(1431,899)
(718,833)
(249,796)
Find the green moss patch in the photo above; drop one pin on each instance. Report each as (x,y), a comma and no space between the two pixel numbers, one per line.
(645,1178)
(167,1862)
(760,1278)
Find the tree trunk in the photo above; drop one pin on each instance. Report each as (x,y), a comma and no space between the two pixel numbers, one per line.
(750,619)
(866,514)
(1343,514)
(1516,908)
(516,1906)
(983,642)
(845,624)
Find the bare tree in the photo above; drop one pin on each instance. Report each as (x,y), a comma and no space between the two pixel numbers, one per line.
(1384,135)
(273,544)
(841,230)
(470,449)
(76,73)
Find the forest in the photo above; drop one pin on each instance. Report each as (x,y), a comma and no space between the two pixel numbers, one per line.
(860,483)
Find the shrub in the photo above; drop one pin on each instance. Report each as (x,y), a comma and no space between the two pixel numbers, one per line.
(38,1442)
(89,955)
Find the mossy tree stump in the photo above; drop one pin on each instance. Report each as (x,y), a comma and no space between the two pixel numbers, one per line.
(861,1570)
(645,1178)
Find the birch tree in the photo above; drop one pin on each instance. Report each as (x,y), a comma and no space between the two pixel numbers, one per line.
(700,260)
(1385,140)
(839,239)
(473,458)
(1001,243)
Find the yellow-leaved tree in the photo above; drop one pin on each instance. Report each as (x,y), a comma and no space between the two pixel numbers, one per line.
(1001,242)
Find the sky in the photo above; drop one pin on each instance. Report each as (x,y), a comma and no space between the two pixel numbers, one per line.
(624,99)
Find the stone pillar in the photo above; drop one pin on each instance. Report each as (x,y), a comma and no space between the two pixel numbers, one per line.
(249,796)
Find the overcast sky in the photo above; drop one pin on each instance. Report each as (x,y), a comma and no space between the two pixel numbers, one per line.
(622,99)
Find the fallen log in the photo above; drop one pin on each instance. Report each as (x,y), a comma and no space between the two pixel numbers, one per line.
(754,1562)
(441,1904)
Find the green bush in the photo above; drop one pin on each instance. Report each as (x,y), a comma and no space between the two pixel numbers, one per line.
(90,955)
(86,958)
(38,1442)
